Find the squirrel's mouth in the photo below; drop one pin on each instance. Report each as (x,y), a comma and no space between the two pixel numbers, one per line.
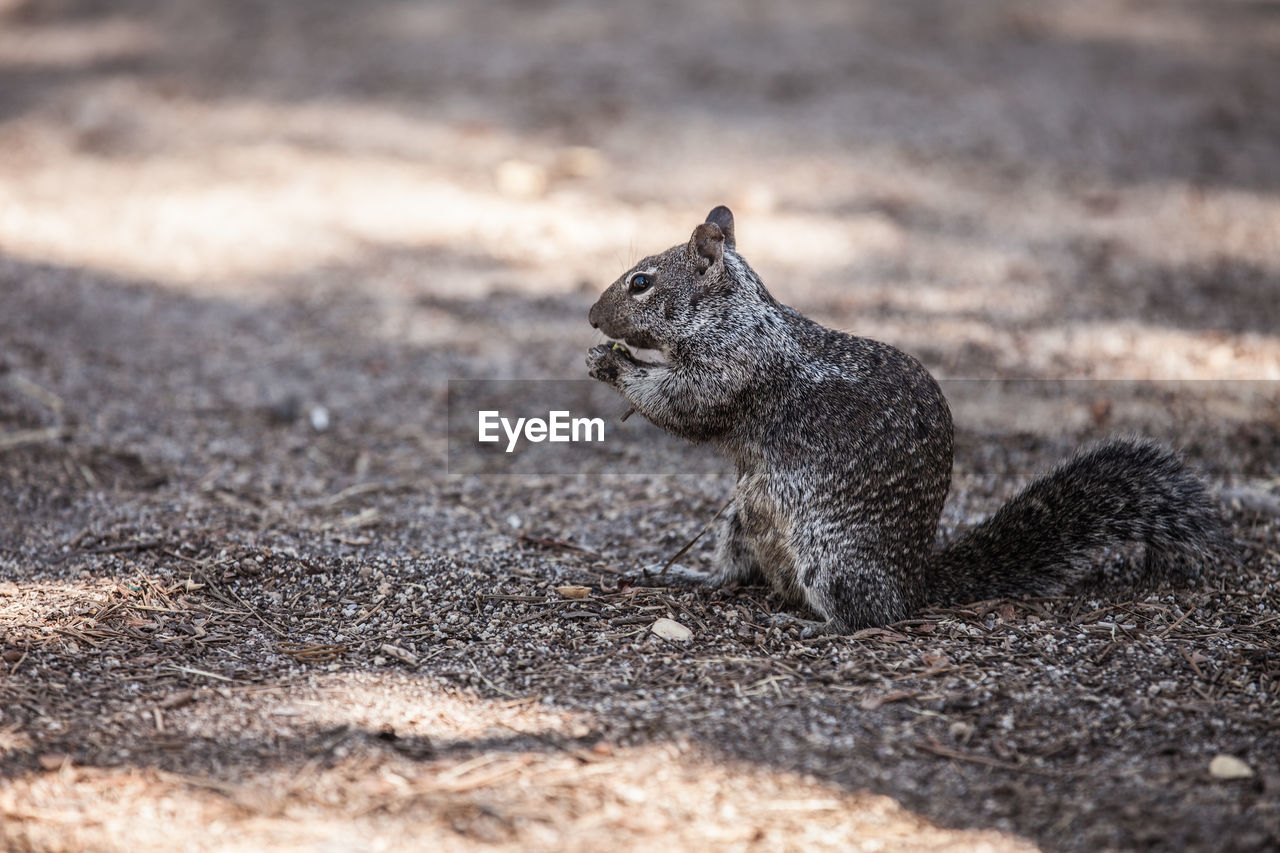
(643,343)
(641,340)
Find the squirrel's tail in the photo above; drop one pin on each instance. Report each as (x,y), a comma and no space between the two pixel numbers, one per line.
(1108,495)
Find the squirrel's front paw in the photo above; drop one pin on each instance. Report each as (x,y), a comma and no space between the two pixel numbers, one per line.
(607,361)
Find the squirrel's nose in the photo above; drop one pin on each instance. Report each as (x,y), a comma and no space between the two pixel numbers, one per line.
(591,315)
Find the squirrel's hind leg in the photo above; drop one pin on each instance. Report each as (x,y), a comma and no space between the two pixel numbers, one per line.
(735,560)
(855,591)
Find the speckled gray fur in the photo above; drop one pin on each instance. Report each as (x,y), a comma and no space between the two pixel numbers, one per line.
(844,449)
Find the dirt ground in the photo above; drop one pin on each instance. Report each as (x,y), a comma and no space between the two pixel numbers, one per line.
(244,245)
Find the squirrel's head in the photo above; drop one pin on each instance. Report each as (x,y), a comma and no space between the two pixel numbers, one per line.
(679,295)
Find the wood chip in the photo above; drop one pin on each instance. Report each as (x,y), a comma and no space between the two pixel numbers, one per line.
(870,703)
(880,634)
(177,700)
(403,655)
(8,441)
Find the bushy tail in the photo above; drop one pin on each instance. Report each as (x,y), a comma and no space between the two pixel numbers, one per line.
(1108,495)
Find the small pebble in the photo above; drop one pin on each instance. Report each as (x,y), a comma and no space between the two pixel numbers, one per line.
(1229,767)
(319,418)
(670,629)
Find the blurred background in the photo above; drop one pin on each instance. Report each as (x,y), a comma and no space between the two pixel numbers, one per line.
(1067,189)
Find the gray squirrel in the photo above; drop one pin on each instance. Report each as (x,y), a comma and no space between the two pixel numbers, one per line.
(844,450)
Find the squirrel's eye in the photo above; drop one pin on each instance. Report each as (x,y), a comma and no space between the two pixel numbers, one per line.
(640,282)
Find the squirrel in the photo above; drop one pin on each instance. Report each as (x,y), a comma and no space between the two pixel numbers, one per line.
(843,447)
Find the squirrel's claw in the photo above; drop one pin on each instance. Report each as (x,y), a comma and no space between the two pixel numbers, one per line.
(606,361)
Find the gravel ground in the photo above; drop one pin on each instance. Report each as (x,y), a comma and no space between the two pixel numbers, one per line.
(243,247)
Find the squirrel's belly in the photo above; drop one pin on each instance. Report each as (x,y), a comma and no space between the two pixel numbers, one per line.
(767,528)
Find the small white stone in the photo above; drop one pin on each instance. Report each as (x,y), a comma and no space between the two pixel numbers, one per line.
(670,629)
(319,418)
(1229,767)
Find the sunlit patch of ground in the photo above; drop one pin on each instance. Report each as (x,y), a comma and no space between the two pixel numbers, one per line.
(637,799)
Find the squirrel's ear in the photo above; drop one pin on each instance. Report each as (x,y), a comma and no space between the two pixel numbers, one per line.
(723,217)
(706,246)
